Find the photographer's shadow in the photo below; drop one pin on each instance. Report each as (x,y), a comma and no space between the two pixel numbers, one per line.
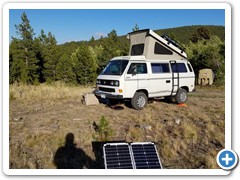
(71,157)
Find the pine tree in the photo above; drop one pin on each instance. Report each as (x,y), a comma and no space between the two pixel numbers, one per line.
(113,35)
(136,28)
(85,66)
(24,63)
(50,55)
(65,69)
(97,55)
(15,61)
(200,34)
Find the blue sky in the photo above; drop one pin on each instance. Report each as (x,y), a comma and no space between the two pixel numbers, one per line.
(77,25)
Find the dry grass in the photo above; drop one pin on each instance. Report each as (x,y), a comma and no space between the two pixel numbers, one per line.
(41,117)
(44,92)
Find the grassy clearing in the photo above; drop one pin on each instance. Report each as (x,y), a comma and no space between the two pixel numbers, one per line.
(44,92)
(42,116)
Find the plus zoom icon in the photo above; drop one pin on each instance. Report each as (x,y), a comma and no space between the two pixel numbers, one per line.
(227,159)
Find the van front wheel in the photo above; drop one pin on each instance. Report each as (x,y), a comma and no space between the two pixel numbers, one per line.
(181,96)
(139,100)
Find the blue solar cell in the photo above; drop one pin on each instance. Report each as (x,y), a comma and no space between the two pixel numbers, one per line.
(145,156)
(133,156)
(117,156)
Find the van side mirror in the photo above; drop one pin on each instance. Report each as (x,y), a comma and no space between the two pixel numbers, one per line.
(134,72)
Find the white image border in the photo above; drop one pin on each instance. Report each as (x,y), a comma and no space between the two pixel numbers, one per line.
(5,122)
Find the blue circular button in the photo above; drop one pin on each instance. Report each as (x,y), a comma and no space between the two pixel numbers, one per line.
(227,159)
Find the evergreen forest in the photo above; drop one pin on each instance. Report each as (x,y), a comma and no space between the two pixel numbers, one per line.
(38,58)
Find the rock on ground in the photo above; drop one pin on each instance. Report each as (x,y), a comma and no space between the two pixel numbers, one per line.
(90,99)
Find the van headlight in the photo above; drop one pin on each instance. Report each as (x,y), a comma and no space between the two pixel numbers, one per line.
(98,82)
(114,83)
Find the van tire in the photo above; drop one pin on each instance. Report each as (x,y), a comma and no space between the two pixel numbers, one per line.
(139,100)
(181,96)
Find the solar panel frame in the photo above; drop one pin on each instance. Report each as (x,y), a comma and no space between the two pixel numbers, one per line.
(136,155)
(117,156)
(145,155)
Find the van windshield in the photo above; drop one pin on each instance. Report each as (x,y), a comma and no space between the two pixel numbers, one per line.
(115,67)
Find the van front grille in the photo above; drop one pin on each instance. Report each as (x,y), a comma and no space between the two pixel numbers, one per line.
(106,89)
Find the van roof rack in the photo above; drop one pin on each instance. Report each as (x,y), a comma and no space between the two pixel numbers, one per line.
(173,42)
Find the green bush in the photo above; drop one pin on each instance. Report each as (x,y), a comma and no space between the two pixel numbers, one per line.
(103,130)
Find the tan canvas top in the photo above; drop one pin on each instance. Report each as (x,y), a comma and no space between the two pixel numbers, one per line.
(149,44)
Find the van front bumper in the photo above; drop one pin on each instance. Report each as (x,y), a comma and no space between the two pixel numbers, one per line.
(107,95)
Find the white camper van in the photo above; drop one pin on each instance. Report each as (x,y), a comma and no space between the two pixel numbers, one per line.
(155,67)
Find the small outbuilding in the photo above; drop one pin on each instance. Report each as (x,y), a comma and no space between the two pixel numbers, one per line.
(205,77)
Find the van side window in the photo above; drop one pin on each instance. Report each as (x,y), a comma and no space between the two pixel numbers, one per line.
(137,68)
(160,68)
(159,49)
(137,49)
(189,67)
(179,67)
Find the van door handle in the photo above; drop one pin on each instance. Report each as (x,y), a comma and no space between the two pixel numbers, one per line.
(168,81)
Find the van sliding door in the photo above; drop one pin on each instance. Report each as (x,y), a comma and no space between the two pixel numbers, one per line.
(160,80)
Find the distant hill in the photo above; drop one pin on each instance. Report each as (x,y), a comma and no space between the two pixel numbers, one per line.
(183,34)
(180,34)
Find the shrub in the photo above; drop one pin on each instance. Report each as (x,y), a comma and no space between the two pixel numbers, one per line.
(103,130)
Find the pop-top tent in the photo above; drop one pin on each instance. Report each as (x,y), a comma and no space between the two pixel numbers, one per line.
(152,46)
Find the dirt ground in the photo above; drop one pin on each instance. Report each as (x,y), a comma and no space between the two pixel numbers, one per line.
(44,134)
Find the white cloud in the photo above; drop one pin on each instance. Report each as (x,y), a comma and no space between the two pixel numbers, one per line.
(98,35)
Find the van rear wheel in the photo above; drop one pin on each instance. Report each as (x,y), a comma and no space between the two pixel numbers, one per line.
(181,96)
(139,100)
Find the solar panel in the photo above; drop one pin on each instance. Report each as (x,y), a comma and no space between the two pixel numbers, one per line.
(131,156)
(117,156)
(145,156)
